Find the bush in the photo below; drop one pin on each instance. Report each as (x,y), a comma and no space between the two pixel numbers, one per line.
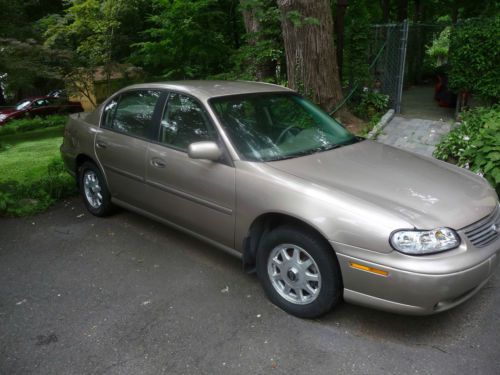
(474,56)
(438,50)
(26,198)
(28,124)
(371,104)
(475,144)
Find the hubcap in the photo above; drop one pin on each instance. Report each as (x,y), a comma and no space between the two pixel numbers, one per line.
(294,274)
(92,189)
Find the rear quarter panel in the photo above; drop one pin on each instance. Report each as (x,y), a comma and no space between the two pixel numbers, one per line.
(79,136)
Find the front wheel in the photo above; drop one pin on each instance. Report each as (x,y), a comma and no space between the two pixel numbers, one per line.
(93,189)
(299,271)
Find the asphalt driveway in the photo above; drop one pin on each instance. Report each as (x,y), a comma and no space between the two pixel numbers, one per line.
(126,295)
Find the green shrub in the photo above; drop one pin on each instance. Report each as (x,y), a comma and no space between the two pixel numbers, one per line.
(372,104)
(474,57)
(475,144)
(27,198)
(437,52)
(28,124)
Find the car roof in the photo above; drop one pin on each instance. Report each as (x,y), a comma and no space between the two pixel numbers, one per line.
(210,89)
(33,98)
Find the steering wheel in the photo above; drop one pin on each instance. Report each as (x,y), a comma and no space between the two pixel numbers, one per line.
(286,130)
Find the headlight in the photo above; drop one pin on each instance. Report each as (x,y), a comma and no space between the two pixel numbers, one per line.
(2,117)
(420,242)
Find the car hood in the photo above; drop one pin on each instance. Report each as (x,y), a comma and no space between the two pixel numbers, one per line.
(423,191)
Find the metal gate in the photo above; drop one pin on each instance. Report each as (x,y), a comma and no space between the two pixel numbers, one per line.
(389,70)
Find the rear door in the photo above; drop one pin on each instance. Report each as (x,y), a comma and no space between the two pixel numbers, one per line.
(40,107)
(128,123)
(196,194)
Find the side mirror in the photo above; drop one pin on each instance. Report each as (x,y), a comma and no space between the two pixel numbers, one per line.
(204,150)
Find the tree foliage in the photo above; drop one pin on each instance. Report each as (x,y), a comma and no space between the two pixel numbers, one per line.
(187,39)
(27,65)
(171,39)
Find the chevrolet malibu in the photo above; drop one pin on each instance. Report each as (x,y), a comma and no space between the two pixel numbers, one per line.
(320,214)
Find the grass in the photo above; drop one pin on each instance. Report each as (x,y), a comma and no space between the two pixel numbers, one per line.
(25,157)
(32,173)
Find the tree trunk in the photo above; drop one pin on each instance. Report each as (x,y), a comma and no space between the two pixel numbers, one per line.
(415,51)
(402,10)
(454,12)
(233,23)
(339,30)
(2,98)
(385,5)
(267,68)
(310,52)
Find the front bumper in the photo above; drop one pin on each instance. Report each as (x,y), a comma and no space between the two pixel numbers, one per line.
(416,285)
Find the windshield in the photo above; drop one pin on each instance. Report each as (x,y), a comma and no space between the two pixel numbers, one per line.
(23,104)
(267,127)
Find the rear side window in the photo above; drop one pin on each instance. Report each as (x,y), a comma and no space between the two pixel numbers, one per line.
(132,113)
(40,103)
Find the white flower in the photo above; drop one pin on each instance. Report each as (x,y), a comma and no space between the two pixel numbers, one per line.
(466,138)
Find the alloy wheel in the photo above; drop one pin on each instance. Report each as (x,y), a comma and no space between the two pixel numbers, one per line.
(92,189)
(294,274)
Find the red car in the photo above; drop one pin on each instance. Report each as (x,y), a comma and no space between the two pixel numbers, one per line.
(39,106)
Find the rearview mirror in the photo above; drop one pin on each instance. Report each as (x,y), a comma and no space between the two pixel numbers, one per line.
(204,150)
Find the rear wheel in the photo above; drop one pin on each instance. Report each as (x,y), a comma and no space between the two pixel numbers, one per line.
(93,189)
(299,271)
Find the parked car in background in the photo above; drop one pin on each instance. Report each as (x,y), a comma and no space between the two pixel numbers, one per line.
(39,106)
(319,213)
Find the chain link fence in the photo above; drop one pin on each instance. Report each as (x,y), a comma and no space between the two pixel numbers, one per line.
(390,68)
(386,58)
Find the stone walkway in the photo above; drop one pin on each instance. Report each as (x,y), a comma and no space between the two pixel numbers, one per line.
(415,135)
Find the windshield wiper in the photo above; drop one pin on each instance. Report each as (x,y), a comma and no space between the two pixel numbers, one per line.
(308,152)
(316,149)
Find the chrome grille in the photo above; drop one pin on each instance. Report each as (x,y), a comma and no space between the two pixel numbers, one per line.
(485,231)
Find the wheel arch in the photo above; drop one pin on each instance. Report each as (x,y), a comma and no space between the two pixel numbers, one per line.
(82,158)
(264,224)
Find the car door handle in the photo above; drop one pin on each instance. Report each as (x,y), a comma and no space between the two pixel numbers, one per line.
(101,145)
(158,163)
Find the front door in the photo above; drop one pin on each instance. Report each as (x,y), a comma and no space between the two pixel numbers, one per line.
(128,123)
(198,195)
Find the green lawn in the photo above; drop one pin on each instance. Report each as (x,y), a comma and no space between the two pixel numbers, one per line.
(24,157)
(32,174)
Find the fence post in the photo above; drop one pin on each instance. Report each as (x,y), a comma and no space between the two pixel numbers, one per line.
(402,60)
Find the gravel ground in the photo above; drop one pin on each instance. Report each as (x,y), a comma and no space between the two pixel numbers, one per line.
(126,295)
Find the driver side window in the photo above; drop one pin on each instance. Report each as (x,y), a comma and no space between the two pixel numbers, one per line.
(184,122)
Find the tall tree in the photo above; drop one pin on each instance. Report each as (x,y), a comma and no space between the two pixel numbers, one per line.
(339,31)
(262,36)
(26,68)
(310,52)
(188,39)
(385,5)
(401,10)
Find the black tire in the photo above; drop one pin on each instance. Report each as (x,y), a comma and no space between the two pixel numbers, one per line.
(106,207)
(330,292)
